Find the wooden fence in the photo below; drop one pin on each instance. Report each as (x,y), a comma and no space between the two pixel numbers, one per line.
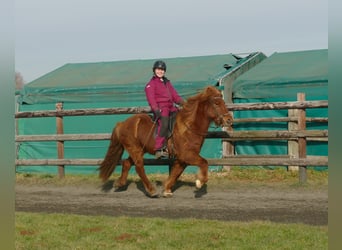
(297,136)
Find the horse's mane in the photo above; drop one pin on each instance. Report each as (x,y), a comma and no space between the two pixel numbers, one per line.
(189,111)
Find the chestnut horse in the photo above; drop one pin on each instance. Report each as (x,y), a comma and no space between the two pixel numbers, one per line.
(184,145)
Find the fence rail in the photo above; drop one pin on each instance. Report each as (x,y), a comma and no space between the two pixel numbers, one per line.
(225,135)
(136,110)
(260,160)
(297,133)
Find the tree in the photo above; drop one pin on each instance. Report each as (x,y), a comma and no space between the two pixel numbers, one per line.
(19,81)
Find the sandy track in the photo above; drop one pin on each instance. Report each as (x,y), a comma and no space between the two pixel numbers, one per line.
(286,205)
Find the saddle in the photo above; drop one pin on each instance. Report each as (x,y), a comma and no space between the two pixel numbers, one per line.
(172,120)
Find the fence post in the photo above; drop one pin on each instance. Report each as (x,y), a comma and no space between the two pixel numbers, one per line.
(16,130)
(292,145)
(60,144)
(302,140)
(227,148)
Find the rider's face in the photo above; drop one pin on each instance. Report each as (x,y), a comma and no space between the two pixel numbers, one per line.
(159,72)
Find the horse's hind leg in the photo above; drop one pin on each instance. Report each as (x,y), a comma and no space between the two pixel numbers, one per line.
(139,168)
(126,166)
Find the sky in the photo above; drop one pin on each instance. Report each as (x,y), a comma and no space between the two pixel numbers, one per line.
(49,34)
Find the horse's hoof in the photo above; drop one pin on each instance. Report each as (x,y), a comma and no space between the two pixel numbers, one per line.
(167,194)
(154,195)
(120,188)
(198,184)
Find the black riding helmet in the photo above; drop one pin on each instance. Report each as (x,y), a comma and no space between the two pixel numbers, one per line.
(159,65)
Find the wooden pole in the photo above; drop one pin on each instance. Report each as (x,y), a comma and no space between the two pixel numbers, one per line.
(227,148)
(16,130)
(60,144)
(292,145)
(302,140)
(236,160)
(137,110)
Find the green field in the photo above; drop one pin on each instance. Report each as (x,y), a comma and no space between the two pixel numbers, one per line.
(66,231)
(63,231)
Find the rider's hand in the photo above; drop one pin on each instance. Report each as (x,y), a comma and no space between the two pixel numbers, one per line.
(157,114)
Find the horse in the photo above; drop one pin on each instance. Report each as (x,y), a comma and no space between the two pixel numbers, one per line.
(184,145)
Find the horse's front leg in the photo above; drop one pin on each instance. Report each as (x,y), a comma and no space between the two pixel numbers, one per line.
(202,176)
(176,171)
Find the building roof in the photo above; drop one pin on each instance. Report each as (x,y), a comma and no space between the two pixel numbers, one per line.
(284,75)
(124,81)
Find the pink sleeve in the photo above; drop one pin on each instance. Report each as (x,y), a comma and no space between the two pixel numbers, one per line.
(175,96)
(150,96)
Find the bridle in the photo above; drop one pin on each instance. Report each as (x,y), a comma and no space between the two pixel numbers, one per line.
(217,114)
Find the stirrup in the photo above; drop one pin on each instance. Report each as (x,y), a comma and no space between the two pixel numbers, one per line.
(161,153)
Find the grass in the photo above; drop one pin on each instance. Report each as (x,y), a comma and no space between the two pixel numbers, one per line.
(63,231)
(237,176)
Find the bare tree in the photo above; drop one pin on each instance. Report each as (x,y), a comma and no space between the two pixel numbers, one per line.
(19,81)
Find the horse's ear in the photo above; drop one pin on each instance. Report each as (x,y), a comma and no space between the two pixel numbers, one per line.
(210,90)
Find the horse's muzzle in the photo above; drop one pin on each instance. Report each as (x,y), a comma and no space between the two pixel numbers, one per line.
(227,120)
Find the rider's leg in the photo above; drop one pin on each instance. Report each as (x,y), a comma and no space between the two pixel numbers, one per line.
(160,145)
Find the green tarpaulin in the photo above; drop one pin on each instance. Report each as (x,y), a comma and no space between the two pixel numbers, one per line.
(278,79)
(283,75)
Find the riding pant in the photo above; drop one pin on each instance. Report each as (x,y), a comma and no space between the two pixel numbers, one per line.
(163,127)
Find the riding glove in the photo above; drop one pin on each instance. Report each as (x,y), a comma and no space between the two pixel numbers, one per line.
(157,114)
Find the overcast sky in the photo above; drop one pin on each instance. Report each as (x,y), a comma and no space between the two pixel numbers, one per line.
(50,34)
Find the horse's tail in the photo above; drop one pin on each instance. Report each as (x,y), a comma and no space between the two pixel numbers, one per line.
(113,155)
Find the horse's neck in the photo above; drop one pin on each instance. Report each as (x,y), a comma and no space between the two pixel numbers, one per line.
(200,122)
(202,125)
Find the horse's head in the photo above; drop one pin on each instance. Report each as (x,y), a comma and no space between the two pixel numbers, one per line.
(218,110)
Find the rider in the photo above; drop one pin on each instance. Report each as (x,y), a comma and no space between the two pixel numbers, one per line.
(161,96)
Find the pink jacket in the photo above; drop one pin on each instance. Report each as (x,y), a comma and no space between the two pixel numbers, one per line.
(161,95)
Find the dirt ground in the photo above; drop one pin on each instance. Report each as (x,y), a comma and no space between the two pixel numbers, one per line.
(229,203)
